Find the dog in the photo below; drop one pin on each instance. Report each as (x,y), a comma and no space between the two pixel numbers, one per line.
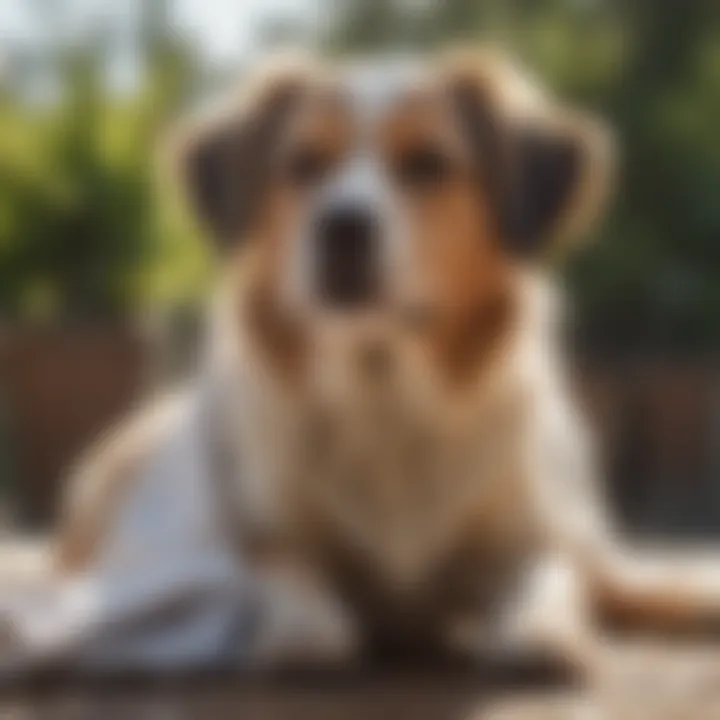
(381,435)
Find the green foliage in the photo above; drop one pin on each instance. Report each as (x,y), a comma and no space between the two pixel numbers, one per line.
(85,233)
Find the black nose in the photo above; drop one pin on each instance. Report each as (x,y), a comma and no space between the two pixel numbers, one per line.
(346,255)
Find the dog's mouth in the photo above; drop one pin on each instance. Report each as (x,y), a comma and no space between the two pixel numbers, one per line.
(376,360)
(377,324)
(418,316)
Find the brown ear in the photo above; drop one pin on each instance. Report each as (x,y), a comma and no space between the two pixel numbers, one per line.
(559,184)
(544,168)
(223,160)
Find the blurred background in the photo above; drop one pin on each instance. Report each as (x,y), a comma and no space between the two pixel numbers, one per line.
(102,276)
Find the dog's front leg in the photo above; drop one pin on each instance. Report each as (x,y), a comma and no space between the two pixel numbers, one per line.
(549,617)
(545,622)
(300,621)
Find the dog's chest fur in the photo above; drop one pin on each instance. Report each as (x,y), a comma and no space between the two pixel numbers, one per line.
(398,486)
(403,508)
(415,502)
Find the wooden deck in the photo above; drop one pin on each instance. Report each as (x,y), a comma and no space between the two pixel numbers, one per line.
(643,680)
(646,681)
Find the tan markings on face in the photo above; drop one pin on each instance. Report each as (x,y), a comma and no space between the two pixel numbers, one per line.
(461,275)
(453,272)
(322,123)
(317,137)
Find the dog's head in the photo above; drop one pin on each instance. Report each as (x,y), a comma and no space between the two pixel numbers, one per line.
(401,194)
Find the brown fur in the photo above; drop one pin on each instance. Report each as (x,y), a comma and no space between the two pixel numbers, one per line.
(466,278)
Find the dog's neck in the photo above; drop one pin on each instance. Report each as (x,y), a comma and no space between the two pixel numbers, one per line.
(237,365)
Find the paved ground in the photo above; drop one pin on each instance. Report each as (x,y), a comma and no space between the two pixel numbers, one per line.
(643,680)
(647,681)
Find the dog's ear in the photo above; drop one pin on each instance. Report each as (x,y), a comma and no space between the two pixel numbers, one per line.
(559,177)
(544,168)
(223,160)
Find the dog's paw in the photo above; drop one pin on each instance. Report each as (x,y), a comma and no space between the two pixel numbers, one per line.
(565,656)
(12,649)
(552,655)
(302,624)
(545,626)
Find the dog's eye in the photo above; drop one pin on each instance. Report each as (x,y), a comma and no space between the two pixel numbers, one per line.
(306,166)
(423,168)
